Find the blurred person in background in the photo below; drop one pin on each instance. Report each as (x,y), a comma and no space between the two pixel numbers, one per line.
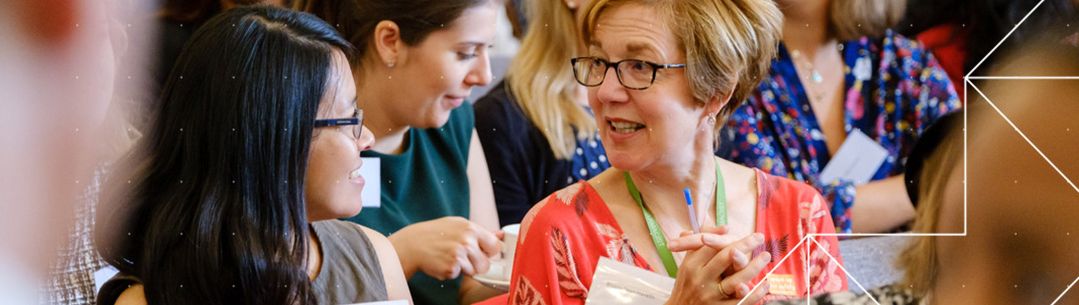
(537,130)
(1023,233)
(840,70)
(60,61)
(515,11)
(1020,212)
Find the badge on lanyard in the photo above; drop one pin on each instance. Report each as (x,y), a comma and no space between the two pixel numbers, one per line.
(782,284)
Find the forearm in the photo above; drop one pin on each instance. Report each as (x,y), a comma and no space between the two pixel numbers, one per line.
(472,291)
(881,206)
(408,262)
(481,196)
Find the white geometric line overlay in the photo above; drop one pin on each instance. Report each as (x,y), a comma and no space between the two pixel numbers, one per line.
(1024,136)
(766,275)
(971,72)
(809,293)
(1024,77)
(1065,291)
(966,80)
(844,272)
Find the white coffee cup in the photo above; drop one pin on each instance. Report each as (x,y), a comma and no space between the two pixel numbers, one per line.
(509,247)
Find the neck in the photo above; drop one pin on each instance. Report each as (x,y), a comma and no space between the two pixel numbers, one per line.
(805,25)
(375,92)
(661,185)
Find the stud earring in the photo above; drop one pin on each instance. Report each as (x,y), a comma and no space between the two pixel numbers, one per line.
(711,120)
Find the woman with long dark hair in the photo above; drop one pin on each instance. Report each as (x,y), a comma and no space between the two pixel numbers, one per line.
(255,142)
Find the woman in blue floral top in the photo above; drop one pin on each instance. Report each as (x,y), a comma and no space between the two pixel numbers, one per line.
(829,80)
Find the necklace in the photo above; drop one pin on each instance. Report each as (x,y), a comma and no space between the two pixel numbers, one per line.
(813,82)
(814,74)
(659,239)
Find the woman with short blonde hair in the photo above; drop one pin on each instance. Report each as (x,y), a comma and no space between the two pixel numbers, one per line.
(661,75)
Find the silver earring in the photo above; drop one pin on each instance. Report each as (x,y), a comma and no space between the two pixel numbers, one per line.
(712,120)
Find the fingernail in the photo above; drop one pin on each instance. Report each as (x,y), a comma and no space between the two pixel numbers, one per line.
(743,289)
(759,237)
(767,257)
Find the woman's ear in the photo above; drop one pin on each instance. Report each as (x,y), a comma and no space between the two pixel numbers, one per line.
(716,103)
(388,44)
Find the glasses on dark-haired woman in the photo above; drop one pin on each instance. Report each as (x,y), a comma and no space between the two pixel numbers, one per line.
(356,121)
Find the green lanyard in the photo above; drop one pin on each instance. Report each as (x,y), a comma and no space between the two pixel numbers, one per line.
(658,238)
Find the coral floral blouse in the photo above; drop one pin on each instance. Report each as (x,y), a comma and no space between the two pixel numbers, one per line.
(570,230)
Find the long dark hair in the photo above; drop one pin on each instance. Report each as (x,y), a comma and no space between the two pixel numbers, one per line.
(210,208)
(356,19)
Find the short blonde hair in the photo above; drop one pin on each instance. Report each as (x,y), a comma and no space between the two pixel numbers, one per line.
(542,82)
(852,19)
(728,44)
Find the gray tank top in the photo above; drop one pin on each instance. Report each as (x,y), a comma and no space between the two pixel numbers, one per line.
(350,273)
(350,270)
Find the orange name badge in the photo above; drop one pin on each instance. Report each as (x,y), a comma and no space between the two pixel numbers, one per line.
(782,284)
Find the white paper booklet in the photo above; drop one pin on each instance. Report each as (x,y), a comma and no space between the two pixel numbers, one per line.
(618,283)
(856,160)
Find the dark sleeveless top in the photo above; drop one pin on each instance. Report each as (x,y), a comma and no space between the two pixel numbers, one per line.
(350,270)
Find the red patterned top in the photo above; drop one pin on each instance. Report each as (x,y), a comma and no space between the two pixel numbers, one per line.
(570,230)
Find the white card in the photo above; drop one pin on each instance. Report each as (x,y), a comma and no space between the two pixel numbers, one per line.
(856,160)
(103,275)
(372,189)
(618,283)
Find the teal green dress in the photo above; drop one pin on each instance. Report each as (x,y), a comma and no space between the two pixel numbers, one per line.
(427,180)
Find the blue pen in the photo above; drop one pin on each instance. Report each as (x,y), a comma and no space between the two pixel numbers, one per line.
(692,212)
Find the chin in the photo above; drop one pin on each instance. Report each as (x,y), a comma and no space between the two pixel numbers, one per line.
(349,210)
(438,120)
(626,160)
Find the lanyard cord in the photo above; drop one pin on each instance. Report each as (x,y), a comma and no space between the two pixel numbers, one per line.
(658,238)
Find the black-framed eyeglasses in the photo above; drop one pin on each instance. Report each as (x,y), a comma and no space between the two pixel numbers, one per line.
(632,73)
(356,121)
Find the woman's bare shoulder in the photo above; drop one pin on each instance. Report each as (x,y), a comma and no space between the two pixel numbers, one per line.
(132,296)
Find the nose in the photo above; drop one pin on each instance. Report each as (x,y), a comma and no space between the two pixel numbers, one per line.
(367,138)
(611,90)
(480,75)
